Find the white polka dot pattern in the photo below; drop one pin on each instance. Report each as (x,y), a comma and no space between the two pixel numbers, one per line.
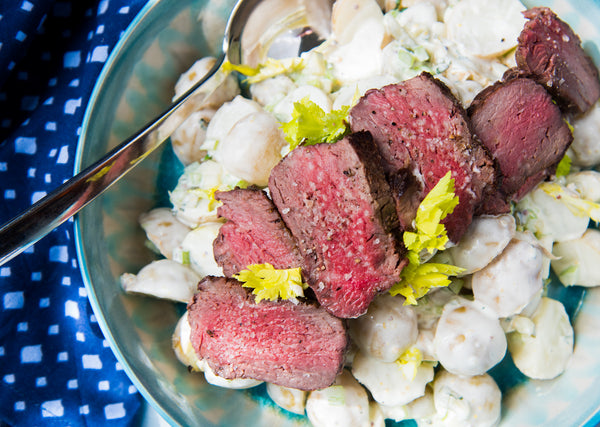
(55,368)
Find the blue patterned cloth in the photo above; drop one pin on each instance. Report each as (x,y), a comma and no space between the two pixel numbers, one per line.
(56,368)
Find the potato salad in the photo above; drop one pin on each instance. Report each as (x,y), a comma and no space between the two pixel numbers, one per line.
(428,361)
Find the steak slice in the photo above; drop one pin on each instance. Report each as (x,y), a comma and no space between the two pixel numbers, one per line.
(253,234)
(551,53)
(422,132)
(293,345)
(336,202)
(523,129)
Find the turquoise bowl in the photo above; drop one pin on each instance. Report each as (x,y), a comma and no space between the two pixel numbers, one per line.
(136,85)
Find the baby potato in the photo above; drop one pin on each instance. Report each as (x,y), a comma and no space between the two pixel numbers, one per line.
(221,88)
(164,230)
(440,5)
(188,139)
(348,15)
(578,259)
(235,384)
(252,148)
(418,17)
(376,416)
(182,345)
(283,109)
(466,401)
(485,28)
(345,403)
(468,339)
(165,279)
(290,399)
(360,58)
(270,91)
(512,280)
(545,216)
(359,31)
(486,238)
(387,329)
(198,244)
(545,352)
(586,183)
(226,117)
(585,149)
(419,409)
(389,383)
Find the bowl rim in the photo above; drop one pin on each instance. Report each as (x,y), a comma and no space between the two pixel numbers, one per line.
(125,38)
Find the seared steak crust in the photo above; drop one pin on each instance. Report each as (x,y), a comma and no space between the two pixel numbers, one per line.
(551,53)
(523,129)
(422,132)
(336,202)
(293,345)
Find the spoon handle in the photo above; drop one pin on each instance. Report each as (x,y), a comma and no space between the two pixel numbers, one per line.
(45,215)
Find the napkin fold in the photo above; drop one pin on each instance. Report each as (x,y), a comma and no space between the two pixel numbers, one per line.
(56,367)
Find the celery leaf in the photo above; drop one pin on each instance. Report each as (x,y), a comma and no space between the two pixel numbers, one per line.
(438,203)
(416,278)
(311,125)
(270,283)
(564,166)
(576,204)
(409,361)
(270,68)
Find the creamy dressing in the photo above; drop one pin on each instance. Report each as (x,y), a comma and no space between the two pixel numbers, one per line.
(387,329)
(465,401)
(468,338)
(511,280)
(391,383)
(543,349)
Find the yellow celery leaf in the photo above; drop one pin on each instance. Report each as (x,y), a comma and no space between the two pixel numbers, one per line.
(564,166)
(210,195)
(418,278)
(274,67)
(270,283)
(569,125)
(410,361)
(246,70)
(270,68)
(577,205)
(438,203)
(311,125)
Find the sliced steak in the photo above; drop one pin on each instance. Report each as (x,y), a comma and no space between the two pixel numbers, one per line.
(422,133)
(253,234)
(551,53)
(336,202)
(293,345)
(523,129)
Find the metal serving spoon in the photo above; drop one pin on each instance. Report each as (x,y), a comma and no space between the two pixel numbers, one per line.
(49,212)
